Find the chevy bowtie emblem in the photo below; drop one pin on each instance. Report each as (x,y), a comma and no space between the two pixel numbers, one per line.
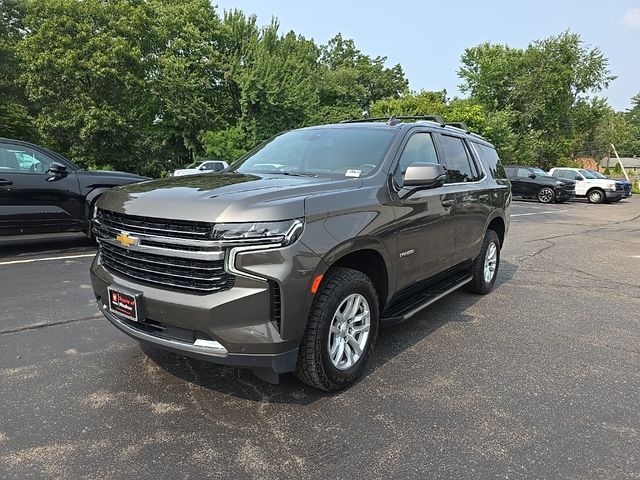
(127,240)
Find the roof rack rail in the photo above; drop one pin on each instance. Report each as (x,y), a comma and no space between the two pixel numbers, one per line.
(393,120)
(460,125)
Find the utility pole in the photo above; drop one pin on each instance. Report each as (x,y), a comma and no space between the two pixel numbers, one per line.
(620,162)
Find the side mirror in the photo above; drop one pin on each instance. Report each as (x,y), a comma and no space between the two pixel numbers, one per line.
(532,176)
(57,170)
(421,176)
(202,167)
(577,177)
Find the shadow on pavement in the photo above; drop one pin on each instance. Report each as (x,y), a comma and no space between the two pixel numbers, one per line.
(391,342)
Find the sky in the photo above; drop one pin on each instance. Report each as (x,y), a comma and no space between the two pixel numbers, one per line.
(427,38)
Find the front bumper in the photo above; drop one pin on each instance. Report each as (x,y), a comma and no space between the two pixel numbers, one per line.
(231,327)
(214,352)
(613,195)
(563,194)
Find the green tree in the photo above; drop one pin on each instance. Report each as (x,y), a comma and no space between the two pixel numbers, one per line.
(84,69)
(185,74)
(420,103)
(350,81)
(16,119)
(270,81)
(541,85)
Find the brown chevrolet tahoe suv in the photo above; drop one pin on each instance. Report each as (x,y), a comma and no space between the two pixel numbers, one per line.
(292,258)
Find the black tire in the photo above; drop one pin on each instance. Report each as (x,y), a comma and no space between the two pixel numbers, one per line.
(596,196)
(314,365)
(546,195)
(479,284)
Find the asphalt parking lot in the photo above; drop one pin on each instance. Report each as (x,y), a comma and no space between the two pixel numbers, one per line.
(539,379)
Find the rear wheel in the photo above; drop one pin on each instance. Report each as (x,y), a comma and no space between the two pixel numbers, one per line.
(485,266)
(546,195)
(342,329)
(596,196)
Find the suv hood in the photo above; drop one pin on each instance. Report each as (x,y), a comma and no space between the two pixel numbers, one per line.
(226,197)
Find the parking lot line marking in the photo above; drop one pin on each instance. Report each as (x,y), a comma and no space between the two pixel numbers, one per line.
(32,260)
(535,213)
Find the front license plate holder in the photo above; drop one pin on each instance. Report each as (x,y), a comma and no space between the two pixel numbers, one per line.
(125,303)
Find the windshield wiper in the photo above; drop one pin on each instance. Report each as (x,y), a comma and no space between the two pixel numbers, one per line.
(297,174)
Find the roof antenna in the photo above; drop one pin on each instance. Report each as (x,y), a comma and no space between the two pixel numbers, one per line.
(393,120)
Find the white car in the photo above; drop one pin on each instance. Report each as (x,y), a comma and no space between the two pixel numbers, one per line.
(596,190)
(207,166)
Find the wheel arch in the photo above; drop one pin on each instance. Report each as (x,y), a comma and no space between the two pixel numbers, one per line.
(368,257)
(497,223)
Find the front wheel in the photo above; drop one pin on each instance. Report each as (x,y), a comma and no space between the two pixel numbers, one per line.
(485,266)
(596,196)
(546,195)
(342,329)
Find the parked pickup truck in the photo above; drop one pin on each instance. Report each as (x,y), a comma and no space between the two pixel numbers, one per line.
(596,190)
(292,258)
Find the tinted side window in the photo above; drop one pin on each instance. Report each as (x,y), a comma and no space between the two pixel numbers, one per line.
(419,149)
(218,167)
(16,158)
(510,171)
(523,172)
(457,161)
(492,160)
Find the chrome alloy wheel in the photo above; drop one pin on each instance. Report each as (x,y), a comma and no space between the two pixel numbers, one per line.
(490,262)
(545,195)
(349,331)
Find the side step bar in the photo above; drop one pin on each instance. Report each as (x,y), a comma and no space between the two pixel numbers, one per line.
(408,308)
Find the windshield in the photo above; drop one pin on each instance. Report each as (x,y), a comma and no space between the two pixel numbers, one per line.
(587,174)
(333,152)
(539,172)
(597,174)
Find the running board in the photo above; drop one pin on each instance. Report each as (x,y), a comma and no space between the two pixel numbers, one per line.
(408,308)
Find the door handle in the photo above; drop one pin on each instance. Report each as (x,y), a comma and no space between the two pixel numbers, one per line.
(4,182)
(448,203)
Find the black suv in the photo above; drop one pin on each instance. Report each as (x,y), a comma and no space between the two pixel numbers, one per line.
(291,259)
(43,192)
(533,182)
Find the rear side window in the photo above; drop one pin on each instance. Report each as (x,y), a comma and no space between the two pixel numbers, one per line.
(491,160)
(460,166)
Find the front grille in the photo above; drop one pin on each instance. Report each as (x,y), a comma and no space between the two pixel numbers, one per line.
(184,274)
(155,226)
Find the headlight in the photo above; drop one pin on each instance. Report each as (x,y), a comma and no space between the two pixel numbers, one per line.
(281,233)
(611,186)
